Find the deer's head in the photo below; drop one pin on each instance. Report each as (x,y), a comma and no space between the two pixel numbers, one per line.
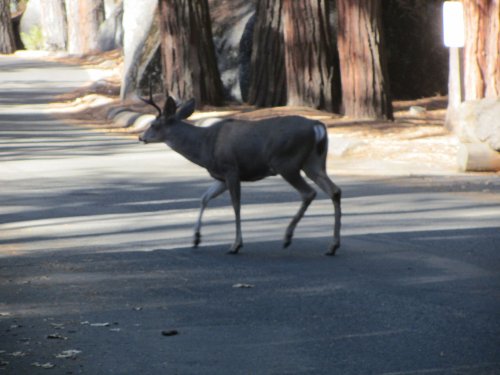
(166,118)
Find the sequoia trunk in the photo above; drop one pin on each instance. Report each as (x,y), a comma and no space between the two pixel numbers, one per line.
(188,54)
(310,56)
(482,49)
(365,86)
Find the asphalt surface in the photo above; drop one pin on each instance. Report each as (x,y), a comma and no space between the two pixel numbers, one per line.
(97,275)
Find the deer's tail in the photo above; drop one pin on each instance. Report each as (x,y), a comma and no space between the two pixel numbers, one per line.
(321,138)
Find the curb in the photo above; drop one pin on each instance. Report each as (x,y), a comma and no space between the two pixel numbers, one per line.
(113,112)
(133,122)
(125,119)
(142,123)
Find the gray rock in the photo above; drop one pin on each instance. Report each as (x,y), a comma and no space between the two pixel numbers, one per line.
(477,157)
(232,44)
(479,121)
(488,124)
(142,123)
(111,31)
(141,40)
(125,119)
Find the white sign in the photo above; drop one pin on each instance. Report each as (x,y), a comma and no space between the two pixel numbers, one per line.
(453,24)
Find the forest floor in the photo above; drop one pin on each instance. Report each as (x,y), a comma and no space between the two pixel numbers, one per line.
(416,142)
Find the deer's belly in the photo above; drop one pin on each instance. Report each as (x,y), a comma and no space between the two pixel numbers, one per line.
(255,173)
(246,172)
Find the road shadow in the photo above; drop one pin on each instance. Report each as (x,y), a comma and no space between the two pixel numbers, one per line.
(201,310)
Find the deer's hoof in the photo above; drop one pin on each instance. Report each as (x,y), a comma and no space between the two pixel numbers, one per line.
(333,249)
(235,248)
(197,239)
(287,242)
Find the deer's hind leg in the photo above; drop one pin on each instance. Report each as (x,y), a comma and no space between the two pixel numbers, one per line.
(316,171)
(307,193)
(233,183)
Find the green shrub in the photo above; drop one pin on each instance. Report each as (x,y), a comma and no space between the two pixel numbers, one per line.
(33,40)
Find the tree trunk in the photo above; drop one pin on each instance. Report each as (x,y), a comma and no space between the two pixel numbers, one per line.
(91,17)
(7,44)
(141,40)
(267,66)
(311,75)
(84,18)
(53,19)
(365,85)
(188,52)
(482,49)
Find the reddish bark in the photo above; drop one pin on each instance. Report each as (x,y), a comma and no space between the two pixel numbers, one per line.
(310,54)
(365,85)
(188,54)
(482,49)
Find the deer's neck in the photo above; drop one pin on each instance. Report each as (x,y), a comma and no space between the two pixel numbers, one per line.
(188,140)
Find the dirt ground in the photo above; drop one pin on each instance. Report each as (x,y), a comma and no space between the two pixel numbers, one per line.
(415,137)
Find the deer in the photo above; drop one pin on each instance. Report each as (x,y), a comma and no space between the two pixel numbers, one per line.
(235,151)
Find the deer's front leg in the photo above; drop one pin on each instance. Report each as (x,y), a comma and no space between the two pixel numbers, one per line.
(216,189)
(234,186)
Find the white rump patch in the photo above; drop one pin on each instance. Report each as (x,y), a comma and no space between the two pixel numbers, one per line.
(319,133)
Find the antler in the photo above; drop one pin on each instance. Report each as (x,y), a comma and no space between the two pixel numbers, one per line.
(150,101)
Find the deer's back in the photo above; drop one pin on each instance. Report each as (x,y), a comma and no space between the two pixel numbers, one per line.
(257,149)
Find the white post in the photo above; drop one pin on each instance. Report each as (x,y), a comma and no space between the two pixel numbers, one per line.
(454,38)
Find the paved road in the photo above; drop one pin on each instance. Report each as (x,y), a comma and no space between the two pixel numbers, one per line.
(95,257)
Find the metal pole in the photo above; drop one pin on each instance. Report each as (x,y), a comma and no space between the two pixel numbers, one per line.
(454,87)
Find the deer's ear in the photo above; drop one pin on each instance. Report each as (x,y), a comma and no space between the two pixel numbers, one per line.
(170,107)
(186,110)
